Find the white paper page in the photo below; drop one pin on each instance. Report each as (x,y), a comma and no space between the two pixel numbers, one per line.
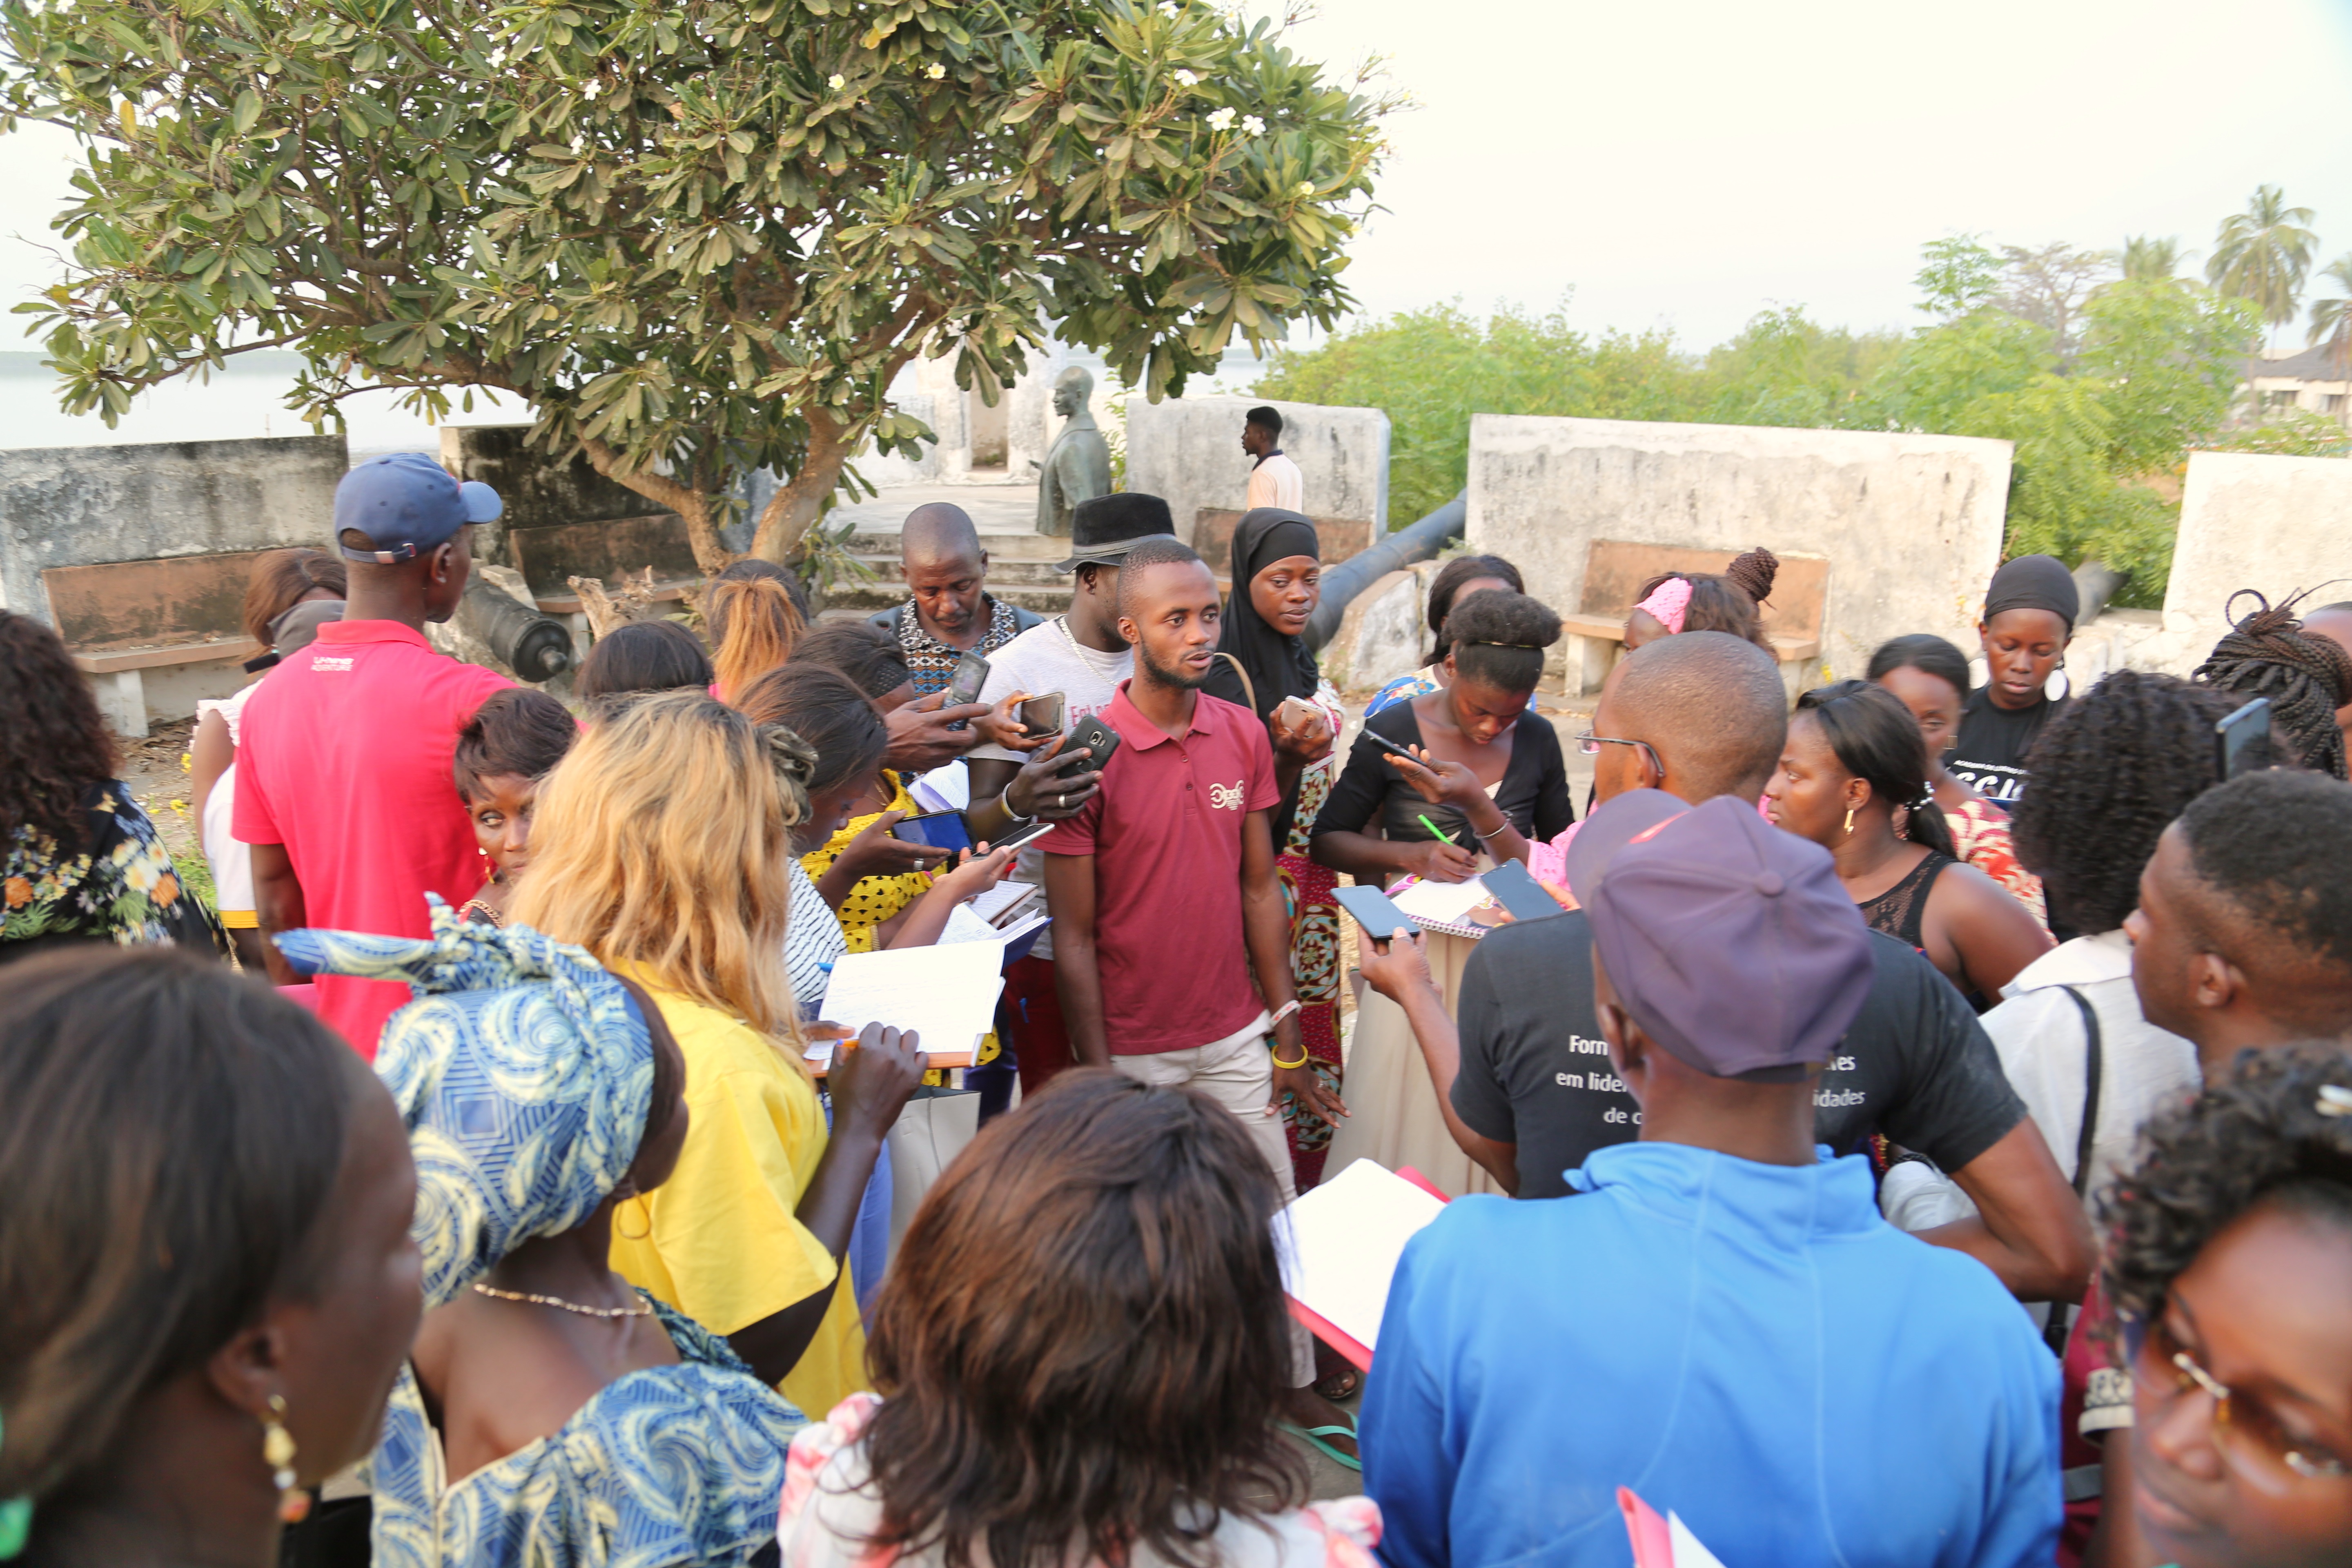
(1688,1552)
(1340,1244)
(946,788)
(947,993)
(990,902)
(964,926)
(1441,901)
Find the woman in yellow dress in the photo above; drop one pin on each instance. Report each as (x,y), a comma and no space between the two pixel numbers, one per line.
(662,846)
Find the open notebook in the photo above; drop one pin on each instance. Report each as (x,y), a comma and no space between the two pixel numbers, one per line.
(1340,1244)
(947,994)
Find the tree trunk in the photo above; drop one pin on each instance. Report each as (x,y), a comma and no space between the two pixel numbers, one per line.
(698,508)
(793,510)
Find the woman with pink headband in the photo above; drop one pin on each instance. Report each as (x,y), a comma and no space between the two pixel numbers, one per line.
(1703,602)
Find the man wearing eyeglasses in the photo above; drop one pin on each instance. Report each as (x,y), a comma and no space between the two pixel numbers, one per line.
(1701,715)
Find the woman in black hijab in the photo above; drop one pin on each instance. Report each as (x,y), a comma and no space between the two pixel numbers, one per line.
(1264,663)
(2028,618)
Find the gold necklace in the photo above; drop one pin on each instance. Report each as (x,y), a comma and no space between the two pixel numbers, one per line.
(642,1310)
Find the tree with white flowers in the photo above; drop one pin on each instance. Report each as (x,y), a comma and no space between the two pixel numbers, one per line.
(698,236)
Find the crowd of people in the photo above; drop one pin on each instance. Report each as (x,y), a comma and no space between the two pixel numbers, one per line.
(1922,1135)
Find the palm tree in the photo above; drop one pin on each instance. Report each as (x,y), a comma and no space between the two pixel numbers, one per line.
(2147,259)
(2263,253)
(2331,320)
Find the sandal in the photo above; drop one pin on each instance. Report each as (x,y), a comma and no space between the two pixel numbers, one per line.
(1313,1438)
(1340,1386)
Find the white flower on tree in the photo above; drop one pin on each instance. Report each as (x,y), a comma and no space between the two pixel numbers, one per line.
(935,70)
(1221,118)
(1189,78)
(837,81)
(1254,125)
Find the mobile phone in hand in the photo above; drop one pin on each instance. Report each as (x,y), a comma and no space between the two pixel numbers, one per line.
(1510,886)
(2243,741)
(1042,715)
(1373,911)
(971,675)
(941,829)
(1094,738)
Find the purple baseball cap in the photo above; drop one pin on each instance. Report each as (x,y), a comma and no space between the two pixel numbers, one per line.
(1731,944)
(407,505)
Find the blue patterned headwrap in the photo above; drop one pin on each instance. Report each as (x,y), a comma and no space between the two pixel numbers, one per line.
(522,1070)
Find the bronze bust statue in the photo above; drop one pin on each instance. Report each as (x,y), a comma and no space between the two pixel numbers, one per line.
(1078,467)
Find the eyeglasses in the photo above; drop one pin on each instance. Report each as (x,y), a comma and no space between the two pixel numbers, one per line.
(1590,744)
(2245,1430)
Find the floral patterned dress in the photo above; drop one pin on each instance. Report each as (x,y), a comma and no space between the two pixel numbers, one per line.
(1980,835)
(116,885)
(1308,891)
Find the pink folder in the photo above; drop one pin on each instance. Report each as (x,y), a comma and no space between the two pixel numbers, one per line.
(1347,1345)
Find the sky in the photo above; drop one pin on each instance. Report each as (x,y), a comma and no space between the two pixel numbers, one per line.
(1688,164)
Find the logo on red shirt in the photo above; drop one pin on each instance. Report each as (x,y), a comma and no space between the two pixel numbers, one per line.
(329,661)
(1225,797)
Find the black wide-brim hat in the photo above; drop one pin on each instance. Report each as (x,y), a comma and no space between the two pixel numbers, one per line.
(1103,529)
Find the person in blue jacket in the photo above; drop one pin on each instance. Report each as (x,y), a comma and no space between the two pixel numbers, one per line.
(1717,1318)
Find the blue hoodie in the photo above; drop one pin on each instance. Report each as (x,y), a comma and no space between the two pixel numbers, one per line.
(1750,1346)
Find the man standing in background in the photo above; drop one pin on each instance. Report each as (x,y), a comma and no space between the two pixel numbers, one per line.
(343,786)
(949,611)
(1276,480)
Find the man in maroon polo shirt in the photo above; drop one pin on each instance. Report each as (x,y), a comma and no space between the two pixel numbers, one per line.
(343,784)
(1165,899)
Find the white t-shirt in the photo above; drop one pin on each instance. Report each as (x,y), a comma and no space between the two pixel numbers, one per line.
(231,862)
(1277,481)
(1043,660)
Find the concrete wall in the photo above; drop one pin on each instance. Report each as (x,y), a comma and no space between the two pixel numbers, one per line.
(2275,524)
(82,506)
(1911,524)
(1188,450)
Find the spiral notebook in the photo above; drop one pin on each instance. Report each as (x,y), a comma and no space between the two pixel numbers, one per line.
(1442,907)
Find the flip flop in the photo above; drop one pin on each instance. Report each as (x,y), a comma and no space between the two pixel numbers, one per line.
(1341,1385)
(1313,1438)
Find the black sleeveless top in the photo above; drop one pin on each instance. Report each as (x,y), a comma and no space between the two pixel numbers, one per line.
(1901,912)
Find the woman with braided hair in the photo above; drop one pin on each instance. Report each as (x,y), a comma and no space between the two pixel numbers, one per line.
(1853,756)
(1677,602)
(2306,676)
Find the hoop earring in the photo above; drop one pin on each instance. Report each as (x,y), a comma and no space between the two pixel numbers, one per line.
(617,1208)
(278,1453)
(1849,822)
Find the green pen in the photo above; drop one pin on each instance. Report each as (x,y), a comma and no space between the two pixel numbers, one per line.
(1435,831)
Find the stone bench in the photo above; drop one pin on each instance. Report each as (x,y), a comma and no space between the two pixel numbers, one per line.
(1594,637)
(122,619)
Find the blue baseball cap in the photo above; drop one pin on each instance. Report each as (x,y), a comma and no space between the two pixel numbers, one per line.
(1732,944)
(405,503)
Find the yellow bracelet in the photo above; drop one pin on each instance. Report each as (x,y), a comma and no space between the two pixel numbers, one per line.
(1302,1061)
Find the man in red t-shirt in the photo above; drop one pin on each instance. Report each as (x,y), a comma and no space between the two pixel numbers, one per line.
(1165,899)
(343,784)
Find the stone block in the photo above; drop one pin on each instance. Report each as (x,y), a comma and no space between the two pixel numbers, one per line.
(1910,526)
(1383,635)
(2275,524)
(84,506)
(1188,451)
(539,491)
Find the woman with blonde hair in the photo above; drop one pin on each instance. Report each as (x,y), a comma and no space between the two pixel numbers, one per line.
(754,619)
(662,846)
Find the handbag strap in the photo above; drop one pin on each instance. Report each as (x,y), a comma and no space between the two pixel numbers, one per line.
(2093,1067)
(1249,687)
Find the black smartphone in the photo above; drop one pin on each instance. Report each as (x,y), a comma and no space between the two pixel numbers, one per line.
(2242,742)
(1393,748)
(971,675)
(941,829)
(1510,886)
(1380,918)
(1042,715)
(1094,738)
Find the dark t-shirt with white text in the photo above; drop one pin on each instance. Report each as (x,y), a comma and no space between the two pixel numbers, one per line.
(1915,1065)
(1989,752)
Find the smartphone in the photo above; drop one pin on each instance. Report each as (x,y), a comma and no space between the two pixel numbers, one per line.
(1380,918)
(941,829)
(1296,711)
(1393,748)
(1042,715)
(2242,742)
(971,675)
(1017,839)
(1094,738)
(1510,886)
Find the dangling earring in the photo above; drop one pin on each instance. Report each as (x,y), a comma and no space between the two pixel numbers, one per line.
(637,1198)
(1849,822)
(278,1453)
(2055,690)
(490,867)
